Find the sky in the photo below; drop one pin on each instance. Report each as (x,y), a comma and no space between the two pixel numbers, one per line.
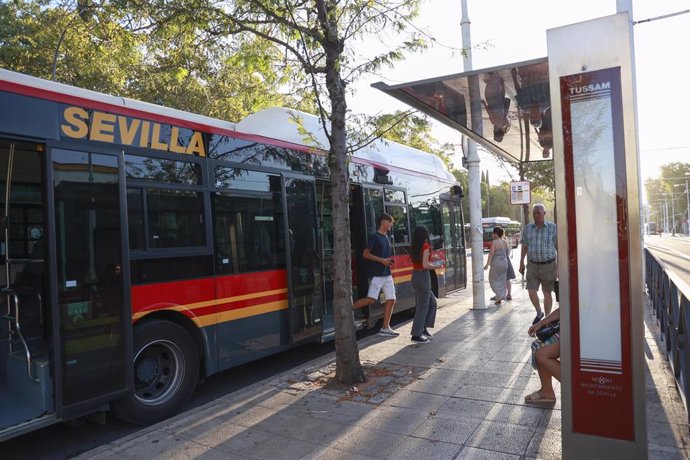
(516,31)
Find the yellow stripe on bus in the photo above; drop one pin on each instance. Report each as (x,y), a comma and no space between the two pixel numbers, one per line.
(246,312)
(400,270)
(210,303)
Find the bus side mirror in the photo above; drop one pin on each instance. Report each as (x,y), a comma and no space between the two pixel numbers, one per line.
(456,190)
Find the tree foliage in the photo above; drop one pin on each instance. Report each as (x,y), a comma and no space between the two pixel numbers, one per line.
(109,47)
(409,128)
(667,195)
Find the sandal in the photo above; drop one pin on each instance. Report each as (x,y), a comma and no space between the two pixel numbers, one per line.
(536,397)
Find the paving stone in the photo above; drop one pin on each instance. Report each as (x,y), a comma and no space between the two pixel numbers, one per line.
(501,437)
(251,416)
(462,408)
(163,445)
(545,444)
(472,453)
(490,379)
(246,440)
(314,376)
(105,454)
(317,431)
(337,454)
(515,414)
(377,399)
(667,453)
(667,435)
(415,449)
(440,382)
(455,430)
(416,400)
(482,393)
(551,419)
(497,366)
(394,419)
(281,448)
(370,442)
(347,412)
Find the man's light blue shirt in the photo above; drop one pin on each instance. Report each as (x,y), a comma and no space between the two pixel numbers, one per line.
(541,243)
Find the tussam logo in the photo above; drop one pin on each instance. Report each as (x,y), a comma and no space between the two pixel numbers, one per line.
(591,88)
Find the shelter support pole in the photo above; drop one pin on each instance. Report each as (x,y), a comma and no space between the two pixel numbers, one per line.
(474,179)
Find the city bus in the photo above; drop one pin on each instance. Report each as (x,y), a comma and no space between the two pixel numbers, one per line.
(510,227)
(145,248)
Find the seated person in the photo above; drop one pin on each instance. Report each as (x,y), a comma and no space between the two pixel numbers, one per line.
(547,361)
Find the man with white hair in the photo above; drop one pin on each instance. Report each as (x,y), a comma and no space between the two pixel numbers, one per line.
(539,242)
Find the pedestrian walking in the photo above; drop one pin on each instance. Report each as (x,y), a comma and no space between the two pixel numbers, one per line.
(510,274)
(425,301)
(379,258)
(539,242)
(498,261)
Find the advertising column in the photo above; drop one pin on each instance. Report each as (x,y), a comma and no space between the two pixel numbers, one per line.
(597,182)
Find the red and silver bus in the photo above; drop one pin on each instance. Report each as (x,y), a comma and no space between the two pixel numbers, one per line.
(146,248)
(511,229)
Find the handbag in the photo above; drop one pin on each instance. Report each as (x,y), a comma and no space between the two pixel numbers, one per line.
(547,331)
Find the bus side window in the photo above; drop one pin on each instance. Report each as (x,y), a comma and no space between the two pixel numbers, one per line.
(247,233)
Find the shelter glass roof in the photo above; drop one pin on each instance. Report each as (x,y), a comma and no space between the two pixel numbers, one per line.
(506,109)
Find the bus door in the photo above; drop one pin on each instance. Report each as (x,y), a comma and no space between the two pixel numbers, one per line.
(26,383)
(92,318)
(359,227)
(373,205)
(305,276)
(454,245)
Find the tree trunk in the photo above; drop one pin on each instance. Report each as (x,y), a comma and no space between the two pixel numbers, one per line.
(348,367)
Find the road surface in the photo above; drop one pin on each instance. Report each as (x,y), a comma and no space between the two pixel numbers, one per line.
(674,252)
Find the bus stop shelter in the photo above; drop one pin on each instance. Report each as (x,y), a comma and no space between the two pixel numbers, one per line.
(508,110)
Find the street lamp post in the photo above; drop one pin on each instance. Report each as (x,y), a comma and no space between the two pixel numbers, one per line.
(673,215)
(687,202)
(665,215)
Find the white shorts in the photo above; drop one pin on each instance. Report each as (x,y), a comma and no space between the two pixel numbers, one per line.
(379,283)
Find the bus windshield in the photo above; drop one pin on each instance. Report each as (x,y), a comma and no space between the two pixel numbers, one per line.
(510,227)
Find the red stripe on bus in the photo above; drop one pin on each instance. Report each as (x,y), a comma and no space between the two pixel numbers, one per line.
(163,295)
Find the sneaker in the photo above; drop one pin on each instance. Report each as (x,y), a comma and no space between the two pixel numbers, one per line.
(538,318)
(422,339)
(388,332)
(509,298)
(427,334)
(492,298)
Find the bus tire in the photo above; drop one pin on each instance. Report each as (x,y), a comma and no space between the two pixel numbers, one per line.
(166,371)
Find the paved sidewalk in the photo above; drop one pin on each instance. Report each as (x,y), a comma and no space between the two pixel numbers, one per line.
(460,397)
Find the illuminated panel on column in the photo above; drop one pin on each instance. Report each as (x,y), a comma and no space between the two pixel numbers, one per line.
(598,259)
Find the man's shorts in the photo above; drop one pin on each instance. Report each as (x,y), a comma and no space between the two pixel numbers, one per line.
(544,274)
(379,283)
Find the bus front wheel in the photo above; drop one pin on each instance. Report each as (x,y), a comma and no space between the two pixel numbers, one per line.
(166,371)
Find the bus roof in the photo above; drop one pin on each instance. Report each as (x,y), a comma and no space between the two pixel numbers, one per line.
(502,220)
(303,128)
(46,88)
(275,123)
